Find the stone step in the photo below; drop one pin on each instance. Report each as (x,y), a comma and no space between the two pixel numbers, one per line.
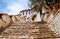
(28,29)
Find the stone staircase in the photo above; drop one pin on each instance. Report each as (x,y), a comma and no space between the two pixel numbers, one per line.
(28,31)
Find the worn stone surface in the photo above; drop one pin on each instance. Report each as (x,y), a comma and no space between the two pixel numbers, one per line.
(27,31)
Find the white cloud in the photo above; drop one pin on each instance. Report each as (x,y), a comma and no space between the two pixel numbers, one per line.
(13,12)
(15,8)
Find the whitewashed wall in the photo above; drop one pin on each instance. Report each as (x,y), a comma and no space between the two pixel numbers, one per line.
(54,24)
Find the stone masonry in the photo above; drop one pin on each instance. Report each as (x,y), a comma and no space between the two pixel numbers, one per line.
(28,30)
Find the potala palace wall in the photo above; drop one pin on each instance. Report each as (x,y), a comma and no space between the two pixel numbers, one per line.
(19,28)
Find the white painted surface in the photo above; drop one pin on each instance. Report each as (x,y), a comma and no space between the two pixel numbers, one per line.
(4,18)
(55,24)
(38,18)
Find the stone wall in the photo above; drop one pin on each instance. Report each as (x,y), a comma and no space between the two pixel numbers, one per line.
(17,18)
(6,20)
(54,24)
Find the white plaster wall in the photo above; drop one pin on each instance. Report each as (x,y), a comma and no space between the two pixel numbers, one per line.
(38,18)
(55,24)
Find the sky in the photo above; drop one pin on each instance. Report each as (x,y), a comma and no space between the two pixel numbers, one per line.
(12,7)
